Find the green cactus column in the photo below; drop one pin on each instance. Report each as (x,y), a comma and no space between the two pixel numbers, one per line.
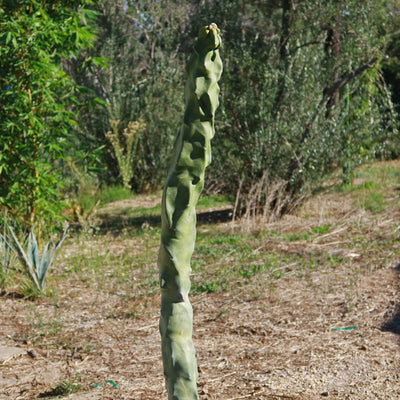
(191,155)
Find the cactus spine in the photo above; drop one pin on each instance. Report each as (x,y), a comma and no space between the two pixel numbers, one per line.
(185,181)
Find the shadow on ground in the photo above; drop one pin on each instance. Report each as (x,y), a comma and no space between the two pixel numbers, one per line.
(393,322)
(115,223)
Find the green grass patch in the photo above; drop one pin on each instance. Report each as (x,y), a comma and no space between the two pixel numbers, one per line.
(210,201)
(126,260)
(296,236)
(145,212)
(372,200)
(375,202)
(380,172)
(369,185)
(222,240)
(321,229)
(109,194)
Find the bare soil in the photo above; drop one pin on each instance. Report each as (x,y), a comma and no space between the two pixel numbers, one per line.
(330,333)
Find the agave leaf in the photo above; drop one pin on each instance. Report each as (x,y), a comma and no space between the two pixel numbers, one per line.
(19,251)
(48,255)
(63,237)
(33,250)
(23,258)
(3,252)
(4,249)
(45,262)
(8,254)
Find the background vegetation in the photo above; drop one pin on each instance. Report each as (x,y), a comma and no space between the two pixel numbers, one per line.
(91,98)
(309,91)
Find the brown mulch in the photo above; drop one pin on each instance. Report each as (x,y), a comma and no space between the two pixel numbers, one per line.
(278,342)
(331,332)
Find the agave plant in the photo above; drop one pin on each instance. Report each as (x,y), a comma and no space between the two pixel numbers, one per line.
(35,266)
(7,255)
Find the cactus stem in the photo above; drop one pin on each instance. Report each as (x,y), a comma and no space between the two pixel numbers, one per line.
(185,181)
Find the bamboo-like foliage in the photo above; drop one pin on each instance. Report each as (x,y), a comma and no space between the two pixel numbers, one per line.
(191,155)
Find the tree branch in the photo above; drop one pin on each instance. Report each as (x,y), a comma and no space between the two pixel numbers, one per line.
(331,90)
(292,51)
(295,162)
(348,77)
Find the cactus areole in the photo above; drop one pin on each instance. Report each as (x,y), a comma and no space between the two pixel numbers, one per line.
(185,181)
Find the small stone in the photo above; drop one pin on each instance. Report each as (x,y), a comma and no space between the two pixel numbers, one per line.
(32,353)
(325,394)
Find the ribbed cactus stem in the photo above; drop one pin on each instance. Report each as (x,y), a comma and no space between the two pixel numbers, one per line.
(185,181)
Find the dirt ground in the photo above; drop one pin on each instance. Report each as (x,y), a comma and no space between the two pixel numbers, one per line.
(327,335)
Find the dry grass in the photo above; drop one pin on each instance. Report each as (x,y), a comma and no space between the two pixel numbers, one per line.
(301,308)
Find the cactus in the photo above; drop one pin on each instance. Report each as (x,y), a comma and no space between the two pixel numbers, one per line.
(185,181)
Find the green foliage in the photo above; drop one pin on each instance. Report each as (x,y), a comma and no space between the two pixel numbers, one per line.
(207,287)
(36,97)
(303,95)
(140,41)
(391,64)
(321,229)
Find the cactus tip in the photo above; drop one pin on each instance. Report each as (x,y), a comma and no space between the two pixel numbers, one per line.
(209,35)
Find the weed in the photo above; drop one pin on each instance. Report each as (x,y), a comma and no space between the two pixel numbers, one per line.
(223,313)
(65,388)
(84,204)
(379,172)
(251,270)
(321,229)
(356,189)
(334,260)
(7,256)
(43,325)
(208,287)
(371,199)
(296,236)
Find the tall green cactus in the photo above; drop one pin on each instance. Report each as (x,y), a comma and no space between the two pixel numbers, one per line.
(185,181)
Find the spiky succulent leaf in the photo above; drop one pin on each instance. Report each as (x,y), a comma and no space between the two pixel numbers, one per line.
(44,264)
(33,250)
(24,259)
(47,258)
